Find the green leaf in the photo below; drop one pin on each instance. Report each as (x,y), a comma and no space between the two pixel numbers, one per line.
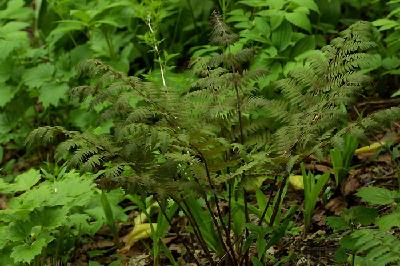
(6,94)
(275,4)
(337,223)
(22,182)
(52,93)
(385,24)
(26,180)
(305,44)
(26,253)
(377,195)
(310,4)
(37,76)
(49,217)
(108,213)
(299,19)
(256,261)
(388,221)
(282,36)
(104,128)
(363,215)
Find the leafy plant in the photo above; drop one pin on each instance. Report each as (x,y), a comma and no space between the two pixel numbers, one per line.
(369,245)
(313,186)
(218,132)
(341,158)
(48,217)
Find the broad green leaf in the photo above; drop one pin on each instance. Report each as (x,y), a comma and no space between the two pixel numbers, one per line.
(310,4)
(377,195)
(299,19)
(397,93)
(275,4)
(337,223)
(362,215)
(254,3)
(52,93)
(26,180)
(49,217)
(391,62)
(275,16)
(6,94)
(385,24)
(4,236)
(38,76)
(22,182)
(387,222)
(282,36)
(304,45)
(26,253)
(16,10)
(12,27)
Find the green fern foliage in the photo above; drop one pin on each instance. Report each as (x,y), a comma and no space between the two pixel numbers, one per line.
(220,127)
(317,94)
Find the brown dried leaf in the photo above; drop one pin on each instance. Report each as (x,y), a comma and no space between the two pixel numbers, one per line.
(336,205)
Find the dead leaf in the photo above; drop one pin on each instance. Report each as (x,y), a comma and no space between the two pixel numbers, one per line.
(350,186)
(140,231)
(336,205)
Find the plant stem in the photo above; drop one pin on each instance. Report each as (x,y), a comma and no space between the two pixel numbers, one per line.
(196,229)
(278,201)
(191,254)
(157,52)
(231,254)
(269,201)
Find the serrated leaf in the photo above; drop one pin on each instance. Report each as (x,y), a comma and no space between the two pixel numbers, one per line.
(52,93)
(282,36)
(38,76)
(26,253)
(275,4)
(6,94)
(22,182)
(337,223)
(310,4)
(49,217)
(388,221)
(377,195)
(363,215)
(299,19)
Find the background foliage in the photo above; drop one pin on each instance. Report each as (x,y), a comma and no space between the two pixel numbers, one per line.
(195,113)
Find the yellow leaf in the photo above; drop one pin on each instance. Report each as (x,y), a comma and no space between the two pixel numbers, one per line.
(371,148)
(140,231)
(296,181)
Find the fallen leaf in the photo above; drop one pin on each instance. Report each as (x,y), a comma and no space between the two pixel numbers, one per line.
(296,181)
(336,205)
(140,231)
(350,186)
(370,148)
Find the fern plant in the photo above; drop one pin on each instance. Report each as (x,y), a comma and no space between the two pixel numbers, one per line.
(219,132)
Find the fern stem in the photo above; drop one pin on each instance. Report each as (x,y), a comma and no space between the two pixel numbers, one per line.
(196,228)
(191,253)
(264,213)
(278,201)
(231,254)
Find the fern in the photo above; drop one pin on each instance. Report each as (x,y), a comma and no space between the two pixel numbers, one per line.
(162,127)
